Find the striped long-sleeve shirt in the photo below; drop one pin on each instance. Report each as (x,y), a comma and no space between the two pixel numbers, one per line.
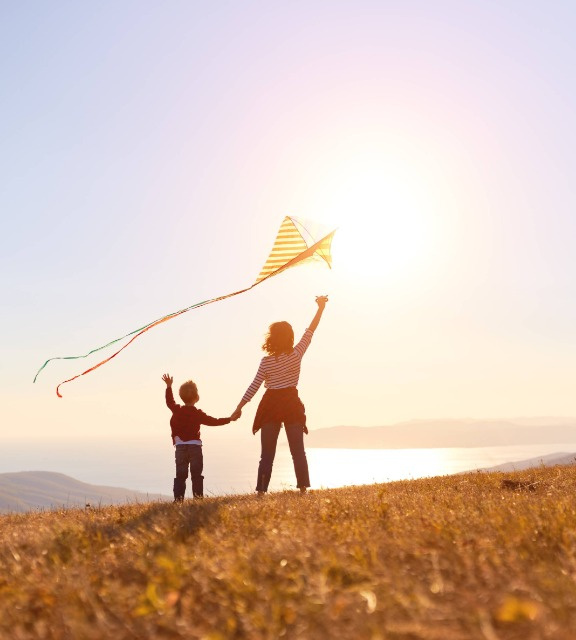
(280,372)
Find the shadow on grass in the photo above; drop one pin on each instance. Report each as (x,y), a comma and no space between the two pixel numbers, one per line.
(179,521)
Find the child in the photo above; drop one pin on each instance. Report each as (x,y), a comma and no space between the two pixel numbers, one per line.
(280,371)
(185,424)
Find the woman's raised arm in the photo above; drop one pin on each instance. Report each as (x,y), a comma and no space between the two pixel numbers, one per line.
(321,302)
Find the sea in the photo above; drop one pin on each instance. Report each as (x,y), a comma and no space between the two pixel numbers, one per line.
(230,464)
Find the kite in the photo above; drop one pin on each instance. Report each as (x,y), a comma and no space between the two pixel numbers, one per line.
(294,245)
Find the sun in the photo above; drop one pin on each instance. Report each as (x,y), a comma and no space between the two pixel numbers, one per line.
(385,217)
(382,229)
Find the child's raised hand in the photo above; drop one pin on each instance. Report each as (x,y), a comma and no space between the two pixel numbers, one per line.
(168,379)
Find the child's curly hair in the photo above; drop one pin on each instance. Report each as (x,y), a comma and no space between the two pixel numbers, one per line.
(279,339)
(189,392)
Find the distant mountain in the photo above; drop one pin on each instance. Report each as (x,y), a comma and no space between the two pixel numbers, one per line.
(27,490)
(551,460)
(423,434)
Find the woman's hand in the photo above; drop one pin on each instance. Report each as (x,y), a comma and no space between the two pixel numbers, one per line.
(321,301)
(238,411)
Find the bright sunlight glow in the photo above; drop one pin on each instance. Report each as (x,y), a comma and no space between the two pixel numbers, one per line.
(384,218)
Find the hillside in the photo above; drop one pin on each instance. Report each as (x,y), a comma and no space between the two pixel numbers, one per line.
(553,459)
(420,434)
(27,490)
(467,557)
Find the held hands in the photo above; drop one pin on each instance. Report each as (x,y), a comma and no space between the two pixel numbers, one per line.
(168,379)
(237,413)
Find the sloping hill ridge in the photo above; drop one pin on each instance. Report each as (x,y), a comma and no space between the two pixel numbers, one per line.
(464,557)
(550,460)
(27,490)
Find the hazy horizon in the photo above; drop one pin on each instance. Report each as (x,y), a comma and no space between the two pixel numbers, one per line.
(147,468)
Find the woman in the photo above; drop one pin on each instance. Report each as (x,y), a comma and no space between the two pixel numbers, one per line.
(280,371)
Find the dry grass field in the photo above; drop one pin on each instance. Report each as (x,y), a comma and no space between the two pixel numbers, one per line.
(465,557)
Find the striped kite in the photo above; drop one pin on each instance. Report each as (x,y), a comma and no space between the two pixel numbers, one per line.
(294,245)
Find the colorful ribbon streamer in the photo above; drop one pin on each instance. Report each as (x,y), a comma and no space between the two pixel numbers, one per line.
(290,248)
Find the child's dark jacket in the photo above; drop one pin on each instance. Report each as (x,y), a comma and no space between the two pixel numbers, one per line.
(185,421)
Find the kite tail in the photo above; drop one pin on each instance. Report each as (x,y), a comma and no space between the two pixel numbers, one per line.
(138,333)
(290,248)
(104,346)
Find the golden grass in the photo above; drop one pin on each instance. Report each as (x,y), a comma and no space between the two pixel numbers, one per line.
(451,558)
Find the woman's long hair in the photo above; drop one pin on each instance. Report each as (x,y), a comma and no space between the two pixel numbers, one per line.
(279,339)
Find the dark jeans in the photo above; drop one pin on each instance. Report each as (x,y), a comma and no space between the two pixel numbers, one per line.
(189,455)
(269,438)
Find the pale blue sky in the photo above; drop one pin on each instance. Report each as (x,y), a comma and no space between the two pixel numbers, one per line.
(149,151)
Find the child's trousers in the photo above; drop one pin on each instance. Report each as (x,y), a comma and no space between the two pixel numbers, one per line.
(189,456)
